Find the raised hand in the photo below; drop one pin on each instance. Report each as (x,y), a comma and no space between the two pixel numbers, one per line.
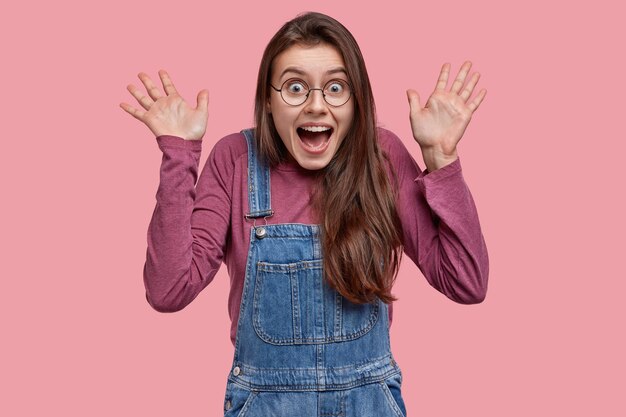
(439,125)
(168,114)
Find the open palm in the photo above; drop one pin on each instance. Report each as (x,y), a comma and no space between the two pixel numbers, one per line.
(169,114)
(440,124)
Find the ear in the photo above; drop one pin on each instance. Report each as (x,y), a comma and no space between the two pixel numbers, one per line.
(268,106)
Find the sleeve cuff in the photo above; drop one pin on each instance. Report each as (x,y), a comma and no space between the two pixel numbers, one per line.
(441,173)
(178,142)
(441,180)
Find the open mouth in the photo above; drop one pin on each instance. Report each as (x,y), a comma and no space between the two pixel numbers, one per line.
(315,138)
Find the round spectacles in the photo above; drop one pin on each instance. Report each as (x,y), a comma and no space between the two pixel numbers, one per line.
(295,92)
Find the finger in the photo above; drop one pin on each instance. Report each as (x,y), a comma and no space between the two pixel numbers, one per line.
(477,100)
(136,113)
(443,77)
(460,78)
(469,88)
(145,101)
(414,100)
(168,85)
(152,90)
(203,101)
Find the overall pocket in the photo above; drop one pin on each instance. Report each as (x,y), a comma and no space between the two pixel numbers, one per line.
(392,390)
(293,305)
(237,400)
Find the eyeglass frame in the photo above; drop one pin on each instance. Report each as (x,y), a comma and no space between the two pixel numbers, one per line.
(313,89)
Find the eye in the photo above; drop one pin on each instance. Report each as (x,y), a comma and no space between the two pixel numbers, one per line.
(336,87)
(295,86)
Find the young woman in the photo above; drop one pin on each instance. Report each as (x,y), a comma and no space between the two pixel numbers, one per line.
(311,211)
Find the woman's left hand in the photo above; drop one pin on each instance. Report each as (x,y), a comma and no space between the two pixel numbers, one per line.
(439,126)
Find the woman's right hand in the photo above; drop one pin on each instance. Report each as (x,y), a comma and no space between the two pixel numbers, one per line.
(169,114)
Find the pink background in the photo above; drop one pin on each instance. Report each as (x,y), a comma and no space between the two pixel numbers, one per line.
(79,178)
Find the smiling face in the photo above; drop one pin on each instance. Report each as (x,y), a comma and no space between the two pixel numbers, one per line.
(312,131)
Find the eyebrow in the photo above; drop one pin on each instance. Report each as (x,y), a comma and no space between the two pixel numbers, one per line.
(300,71)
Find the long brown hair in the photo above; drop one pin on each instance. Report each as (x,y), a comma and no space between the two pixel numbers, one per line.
(360,227)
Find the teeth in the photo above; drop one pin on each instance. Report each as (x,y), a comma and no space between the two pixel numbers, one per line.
(315,128)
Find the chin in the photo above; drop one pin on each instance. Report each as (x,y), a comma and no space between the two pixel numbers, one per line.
(312,165)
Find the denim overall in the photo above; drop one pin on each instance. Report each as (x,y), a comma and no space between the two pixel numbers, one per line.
(302,349)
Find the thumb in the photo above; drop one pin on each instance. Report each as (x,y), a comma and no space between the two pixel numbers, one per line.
(203,101)
(414,100)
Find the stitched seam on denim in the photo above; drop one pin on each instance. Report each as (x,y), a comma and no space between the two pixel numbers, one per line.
(318,387)
(252,195)
(295,304)
(289,268)
(390,400)
(248,403)
(245,292)
(282,341)
(338,315)
(269,236)
(364,364)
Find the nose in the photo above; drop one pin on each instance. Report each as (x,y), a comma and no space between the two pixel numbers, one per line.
(315,103)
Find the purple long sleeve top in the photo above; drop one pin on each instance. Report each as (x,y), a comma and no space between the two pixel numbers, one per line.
(198,223)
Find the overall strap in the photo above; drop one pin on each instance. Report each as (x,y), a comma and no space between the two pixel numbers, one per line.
(258,181)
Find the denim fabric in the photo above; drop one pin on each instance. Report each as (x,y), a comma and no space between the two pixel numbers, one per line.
(301,348)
